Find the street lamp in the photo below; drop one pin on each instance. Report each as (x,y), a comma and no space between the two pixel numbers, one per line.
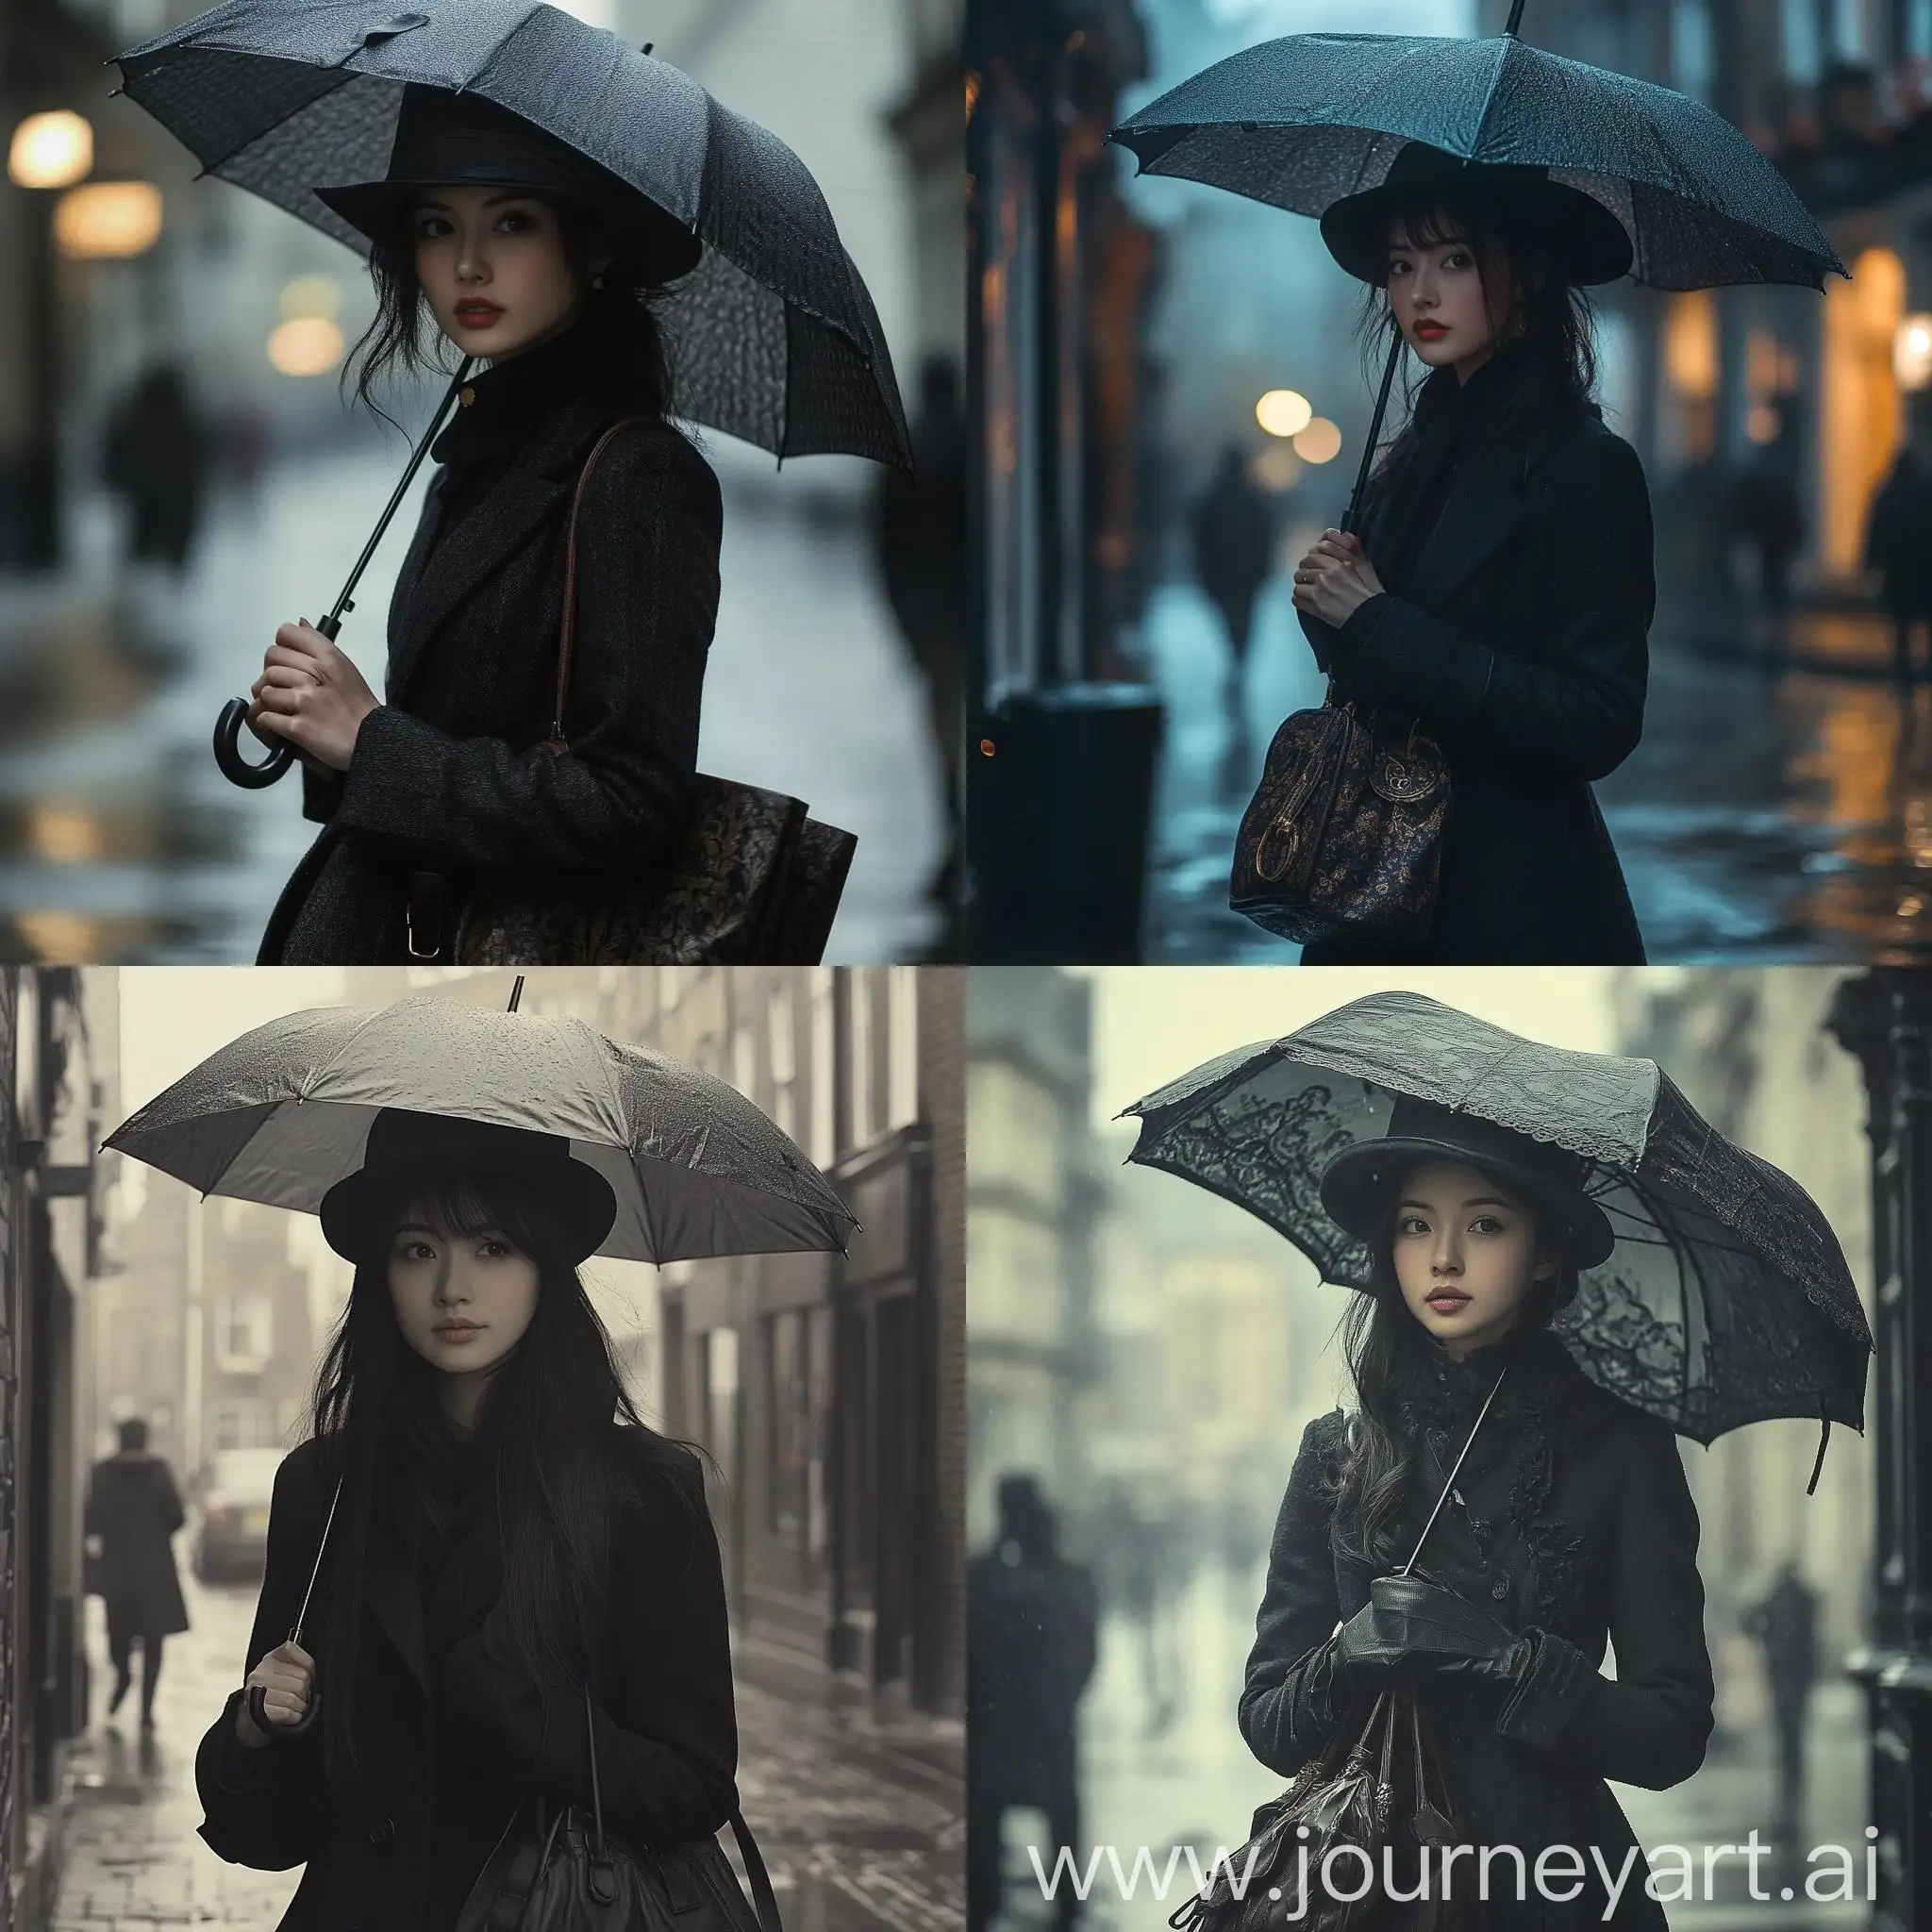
(52,150)
(1911,352)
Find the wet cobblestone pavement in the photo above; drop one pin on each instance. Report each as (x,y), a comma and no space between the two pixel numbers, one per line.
(859,1837)
(1776,811)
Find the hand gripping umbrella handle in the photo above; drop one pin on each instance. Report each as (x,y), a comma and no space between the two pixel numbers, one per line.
(253,777)
(257,1697)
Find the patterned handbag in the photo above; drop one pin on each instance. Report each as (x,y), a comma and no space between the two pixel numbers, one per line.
(1343,836)
(755,883)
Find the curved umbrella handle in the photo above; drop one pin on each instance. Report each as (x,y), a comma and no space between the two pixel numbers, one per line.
(235,768)
(257,1709)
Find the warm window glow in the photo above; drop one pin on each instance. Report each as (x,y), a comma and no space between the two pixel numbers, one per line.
(1320,442)
(51,151)
(1690,343)
(107,219)
(309,345)
(1283,412)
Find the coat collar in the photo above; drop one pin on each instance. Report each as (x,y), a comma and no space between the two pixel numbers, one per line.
(437,576)
(1490,496)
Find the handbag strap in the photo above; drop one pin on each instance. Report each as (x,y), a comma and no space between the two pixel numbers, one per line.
(1449,1485)
(764,1901)
(567,643)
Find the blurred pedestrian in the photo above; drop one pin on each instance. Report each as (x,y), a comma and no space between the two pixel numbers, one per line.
(130,1516)
(919,525)
(1031,1632)
(1784,1622)
(1233,527)
(510,1562)
(1768,513)
(157,453)
(1898,544)
(455,780)
(1500,598)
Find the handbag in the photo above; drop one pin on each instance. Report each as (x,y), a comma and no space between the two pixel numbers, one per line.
(1349,1796)
(757,881)
(557,1871)
(1343,836)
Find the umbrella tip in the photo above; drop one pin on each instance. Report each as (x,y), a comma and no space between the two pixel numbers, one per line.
(647,46)
(516,993)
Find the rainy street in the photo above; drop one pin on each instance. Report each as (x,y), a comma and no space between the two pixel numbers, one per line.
(1772,814)
(858,1835)
(120,839)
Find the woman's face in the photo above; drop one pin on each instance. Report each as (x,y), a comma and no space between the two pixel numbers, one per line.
(462,1301)
(492,266)
(1465,1255)
(1436,295)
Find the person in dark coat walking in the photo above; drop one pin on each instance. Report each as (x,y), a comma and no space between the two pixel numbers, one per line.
(157,454)
(134,1509)
(1233,530)
(1785,1623)
(1898,544)
(521,258)
(1500,597)
(508,1535)
(1571,1527)
(1032,1622)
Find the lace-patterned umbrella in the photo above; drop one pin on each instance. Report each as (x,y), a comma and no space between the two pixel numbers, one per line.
(1726,1300)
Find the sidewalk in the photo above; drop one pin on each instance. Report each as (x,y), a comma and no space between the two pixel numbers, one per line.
(859,1833)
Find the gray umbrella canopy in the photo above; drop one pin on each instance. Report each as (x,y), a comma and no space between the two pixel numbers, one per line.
(773,337)
(1301,122)
(1726,1300)
(282,1113)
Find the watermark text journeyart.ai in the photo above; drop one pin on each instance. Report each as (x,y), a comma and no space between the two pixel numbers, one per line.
(1557,1873)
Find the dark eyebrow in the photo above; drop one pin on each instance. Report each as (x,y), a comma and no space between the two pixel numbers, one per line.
(495,200)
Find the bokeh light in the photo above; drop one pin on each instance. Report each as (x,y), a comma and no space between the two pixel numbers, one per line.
(107,220)
(306,345)
(1911,352)
(52,150)
(312,295)
(1320,442)
(1276,468)
(1283,412)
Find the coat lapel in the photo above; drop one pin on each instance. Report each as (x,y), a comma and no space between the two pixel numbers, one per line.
(537,484)
(391,1594)
(1486,504)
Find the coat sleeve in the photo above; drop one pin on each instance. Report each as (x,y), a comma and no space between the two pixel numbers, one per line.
(1578,710)
(667,1771)
(270,1809)
(1291,1699)
(172,1515)
(621,797)
(1647,1726)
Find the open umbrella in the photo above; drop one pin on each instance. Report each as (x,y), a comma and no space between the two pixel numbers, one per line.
(774,334)
(282,1113)
(1303,122)
(1726,1299)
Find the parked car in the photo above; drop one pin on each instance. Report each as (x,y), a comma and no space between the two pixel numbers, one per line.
(232,1540)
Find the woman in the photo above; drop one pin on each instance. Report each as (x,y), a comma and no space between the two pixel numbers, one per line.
(1502,591)
(1571,1525)
(525,254)
(507,1533)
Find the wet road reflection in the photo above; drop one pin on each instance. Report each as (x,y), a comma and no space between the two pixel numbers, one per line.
(1775,810)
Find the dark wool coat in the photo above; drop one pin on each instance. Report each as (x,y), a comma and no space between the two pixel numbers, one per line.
(1575,1520)
(450,774)
(451,1735)
(1520,641)
(134,1507)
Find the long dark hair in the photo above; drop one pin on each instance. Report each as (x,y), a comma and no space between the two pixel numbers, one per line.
(626,359)
(564,1474)
(1387,1350)
(1555,356)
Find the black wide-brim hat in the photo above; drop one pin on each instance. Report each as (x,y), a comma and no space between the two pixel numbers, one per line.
(1358,1184)
(445,140)
(1586,240)
(407,1150)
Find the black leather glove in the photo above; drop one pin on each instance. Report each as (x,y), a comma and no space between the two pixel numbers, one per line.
(1437,1631)
(1361,1648)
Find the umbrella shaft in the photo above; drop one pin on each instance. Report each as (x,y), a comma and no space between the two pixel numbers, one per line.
(1351,515)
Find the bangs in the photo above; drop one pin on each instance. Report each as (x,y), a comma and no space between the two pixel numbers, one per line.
(1432,224)
(462,1207)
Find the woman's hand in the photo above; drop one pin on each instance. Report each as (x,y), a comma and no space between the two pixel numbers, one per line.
(1438,1631)
(286,1677)
(311,696)
(1335,579)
